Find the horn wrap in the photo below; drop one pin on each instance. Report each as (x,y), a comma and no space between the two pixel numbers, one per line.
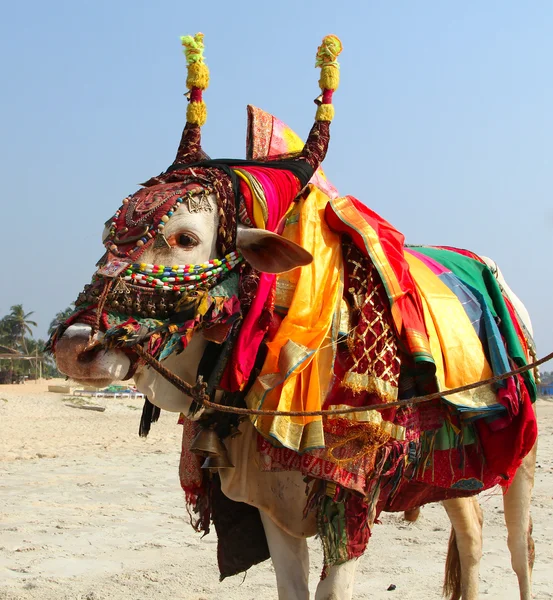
(327,60)
(197,80)
(316,146)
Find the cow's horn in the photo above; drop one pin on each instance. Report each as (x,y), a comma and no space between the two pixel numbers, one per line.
(316,146)
(197,80)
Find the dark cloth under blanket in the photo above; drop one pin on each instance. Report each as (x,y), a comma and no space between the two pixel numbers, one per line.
(241,538)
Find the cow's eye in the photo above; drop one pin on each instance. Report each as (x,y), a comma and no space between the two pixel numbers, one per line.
(185,240)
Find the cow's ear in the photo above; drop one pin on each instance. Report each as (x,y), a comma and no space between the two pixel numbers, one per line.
(269,252)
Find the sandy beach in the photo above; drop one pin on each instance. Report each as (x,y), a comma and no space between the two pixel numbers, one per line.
(90,511)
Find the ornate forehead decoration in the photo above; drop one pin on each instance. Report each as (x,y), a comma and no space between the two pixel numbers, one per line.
(142,218)
(198,202)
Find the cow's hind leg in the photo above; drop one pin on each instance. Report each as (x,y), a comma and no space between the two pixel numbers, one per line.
(516,503)
(465,548)
(290,560)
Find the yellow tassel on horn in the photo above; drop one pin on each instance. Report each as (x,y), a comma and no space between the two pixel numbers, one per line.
(197,78)
(327,60)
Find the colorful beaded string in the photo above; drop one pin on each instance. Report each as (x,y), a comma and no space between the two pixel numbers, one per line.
(181,277)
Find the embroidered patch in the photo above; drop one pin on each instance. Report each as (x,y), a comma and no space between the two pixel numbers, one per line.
(113,268)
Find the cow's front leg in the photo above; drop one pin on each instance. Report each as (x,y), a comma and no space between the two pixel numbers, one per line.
(290,558)
(338,583)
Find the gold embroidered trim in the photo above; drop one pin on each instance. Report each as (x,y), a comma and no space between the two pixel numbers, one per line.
(478,398)
(363,382)
(372,416)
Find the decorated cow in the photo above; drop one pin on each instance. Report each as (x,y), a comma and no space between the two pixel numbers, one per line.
(292,329)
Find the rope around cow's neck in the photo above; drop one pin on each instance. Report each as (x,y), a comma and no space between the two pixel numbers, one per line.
(197,392)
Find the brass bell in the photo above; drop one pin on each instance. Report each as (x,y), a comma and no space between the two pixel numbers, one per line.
(234,431)
(219,461)
(207,443)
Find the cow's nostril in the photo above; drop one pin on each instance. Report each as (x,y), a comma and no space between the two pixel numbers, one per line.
(88,355)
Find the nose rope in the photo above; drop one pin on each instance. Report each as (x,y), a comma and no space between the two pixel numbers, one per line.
(197,392)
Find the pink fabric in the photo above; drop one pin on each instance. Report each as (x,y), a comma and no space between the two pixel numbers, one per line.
(280,188)
(251,335)
(433,265)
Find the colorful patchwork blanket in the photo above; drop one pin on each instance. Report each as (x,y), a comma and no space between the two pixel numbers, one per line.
(371,321)
(419,320)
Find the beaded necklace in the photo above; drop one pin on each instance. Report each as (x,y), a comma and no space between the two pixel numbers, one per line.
(181,277)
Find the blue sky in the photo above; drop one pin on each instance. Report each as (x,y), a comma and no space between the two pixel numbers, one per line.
(444,122)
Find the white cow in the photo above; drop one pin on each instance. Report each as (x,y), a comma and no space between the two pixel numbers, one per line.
(282,514)
(191,237)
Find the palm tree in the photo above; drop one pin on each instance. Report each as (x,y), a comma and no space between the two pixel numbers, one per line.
(19,324)
(60,318)
(6,334)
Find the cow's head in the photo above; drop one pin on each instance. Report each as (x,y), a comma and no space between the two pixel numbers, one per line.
(183,258)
